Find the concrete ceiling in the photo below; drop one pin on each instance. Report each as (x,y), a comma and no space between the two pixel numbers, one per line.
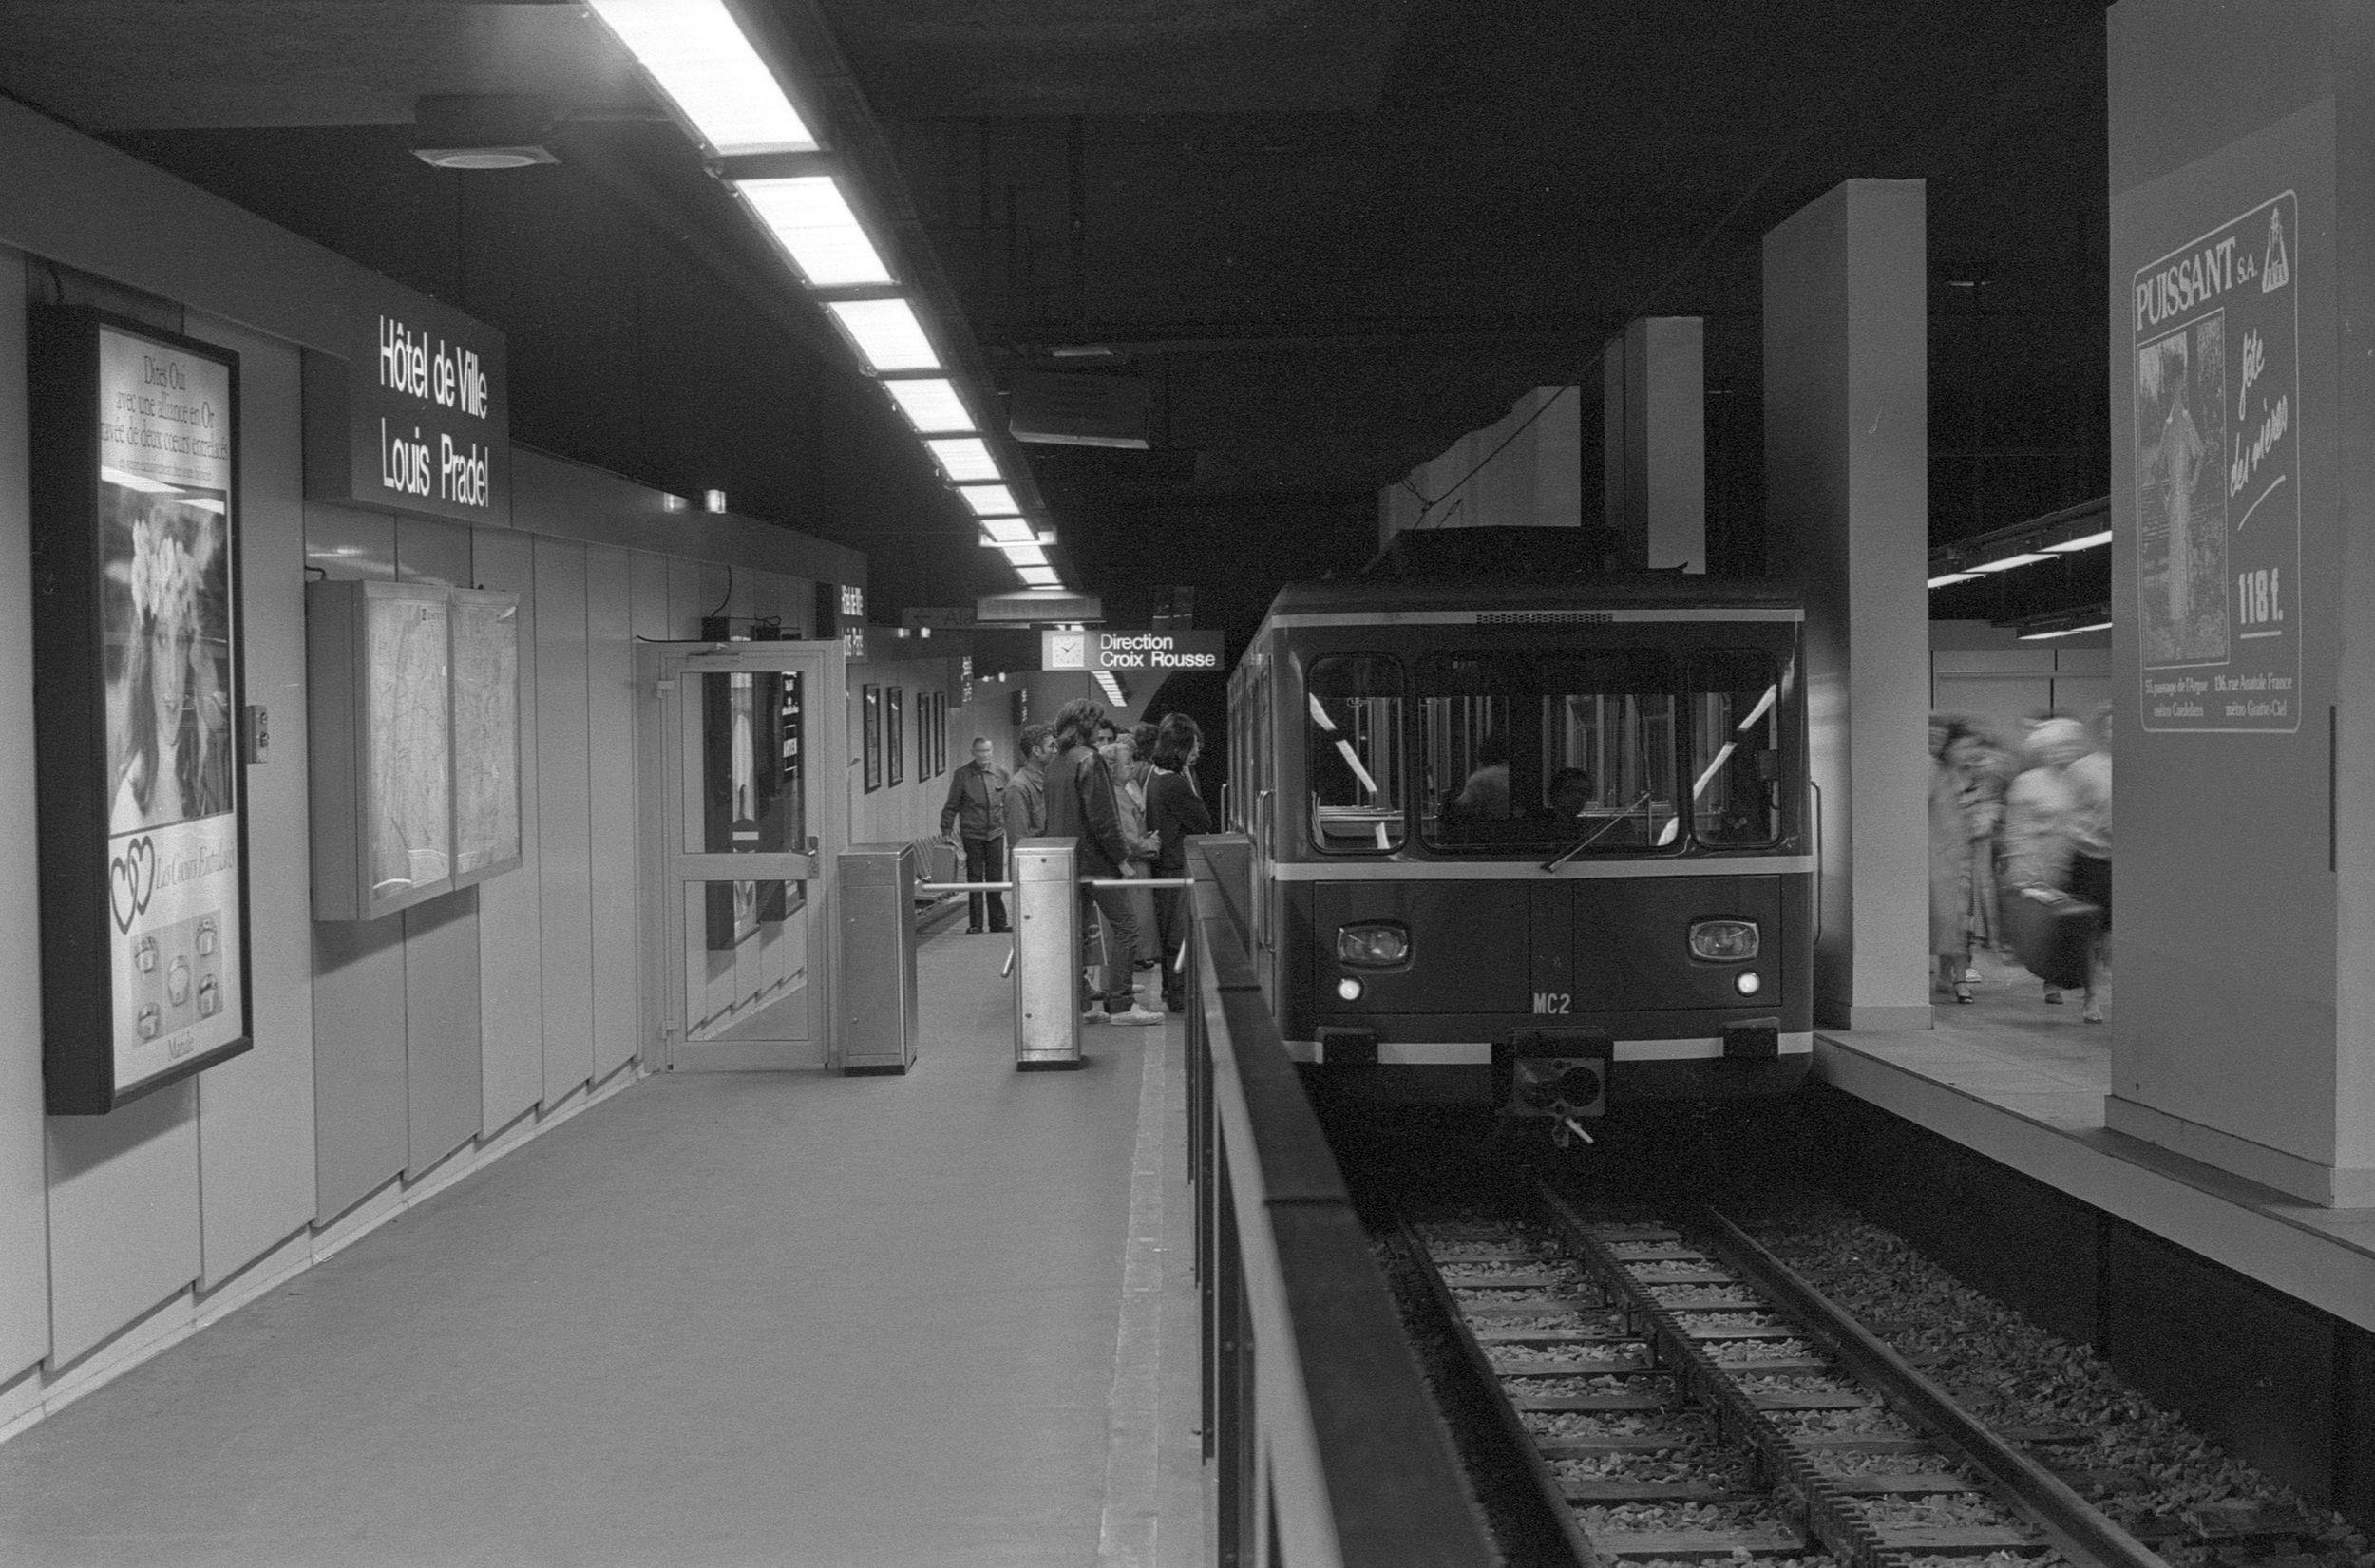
(1333,233)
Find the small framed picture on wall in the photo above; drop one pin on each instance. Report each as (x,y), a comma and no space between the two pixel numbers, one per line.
(870,720)
(894,741)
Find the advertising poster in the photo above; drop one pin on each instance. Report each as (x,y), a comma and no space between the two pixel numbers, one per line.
(167,639)
(2217,476)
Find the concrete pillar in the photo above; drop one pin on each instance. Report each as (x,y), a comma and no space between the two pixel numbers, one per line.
(1654,440)
(1846,495)
(2243,503)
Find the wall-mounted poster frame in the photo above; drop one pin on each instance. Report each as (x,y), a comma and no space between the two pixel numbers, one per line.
(870,721)
(940,733)
(141,792)
(895,734)
(923,736)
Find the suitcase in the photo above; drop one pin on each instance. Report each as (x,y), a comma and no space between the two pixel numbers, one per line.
(2053,934)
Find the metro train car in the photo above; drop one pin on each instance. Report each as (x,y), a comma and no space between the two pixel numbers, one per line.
(1535,841)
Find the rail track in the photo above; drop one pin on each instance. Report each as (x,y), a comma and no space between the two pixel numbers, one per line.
(1680,1395)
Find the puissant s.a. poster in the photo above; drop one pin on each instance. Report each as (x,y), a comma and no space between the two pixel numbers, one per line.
(167,639)
(2218,477)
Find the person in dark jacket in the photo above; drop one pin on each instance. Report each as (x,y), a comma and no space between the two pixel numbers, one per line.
(1175,810)
(975,814)
(1080,807)
(1026,792)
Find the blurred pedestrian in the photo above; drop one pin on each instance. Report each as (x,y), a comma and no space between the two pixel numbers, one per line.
(2089,782)
(2037,814)
(1175,808)
(1951,833)
(974,817)
(1130,799)
(1081,806)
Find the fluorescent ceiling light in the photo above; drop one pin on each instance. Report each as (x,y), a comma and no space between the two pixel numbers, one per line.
(1024,555)
(2065,631)
(930,404)
(1039,577)
(697,52)
(2010,561)
(964,458)
(811,218)
(887,332)
(2085,542)
(990,500)
(1009,531)
(1954,577)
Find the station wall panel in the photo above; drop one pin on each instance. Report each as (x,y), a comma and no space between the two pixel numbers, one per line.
(443,1091)
(610,735)
(564,826)
(362,1110)
(24,1197)
(647,592)
(122,1216)
(256,1112)
(510,926)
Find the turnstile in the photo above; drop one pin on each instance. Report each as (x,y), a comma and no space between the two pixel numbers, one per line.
(877,994)
(1047,954)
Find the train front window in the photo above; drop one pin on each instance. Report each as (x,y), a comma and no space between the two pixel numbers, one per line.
(1527,752)
(1735,706)
(1354,718)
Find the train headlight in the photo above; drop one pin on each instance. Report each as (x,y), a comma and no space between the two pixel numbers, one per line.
(1724,941)
(1348,989)
(1372,944)
(1746,983)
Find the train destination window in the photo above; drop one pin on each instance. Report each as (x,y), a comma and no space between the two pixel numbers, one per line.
(1525,752)
(1355,723)
(1736,738)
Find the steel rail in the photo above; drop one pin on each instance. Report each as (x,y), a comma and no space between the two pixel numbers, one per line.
(2082,1530)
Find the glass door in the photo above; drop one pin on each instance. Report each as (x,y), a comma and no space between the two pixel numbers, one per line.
(748,751)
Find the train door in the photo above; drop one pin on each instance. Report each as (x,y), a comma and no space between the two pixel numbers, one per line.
(746,754)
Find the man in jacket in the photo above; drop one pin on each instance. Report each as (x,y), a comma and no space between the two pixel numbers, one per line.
(976,815)
(1026,792)
(1080,807)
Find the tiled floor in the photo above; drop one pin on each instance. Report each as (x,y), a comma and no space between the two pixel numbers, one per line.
(719,1320)
(2024,1083)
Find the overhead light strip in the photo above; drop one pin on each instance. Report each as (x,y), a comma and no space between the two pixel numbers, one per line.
(964,459)
(697,55)
(887,332)
(2086,542)
(814,221)
(931,405)
(989,500)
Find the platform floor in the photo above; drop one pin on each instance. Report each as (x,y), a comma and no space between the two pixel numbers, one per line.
(719,1319)
(2024,1083)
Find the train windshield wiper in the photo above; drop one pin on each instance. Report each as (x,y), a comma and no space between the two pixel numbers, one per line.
(1596,834)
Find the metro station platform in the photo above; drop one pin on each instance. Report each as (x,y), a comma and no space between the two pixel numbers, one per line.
(716,1319)
(2022,1083)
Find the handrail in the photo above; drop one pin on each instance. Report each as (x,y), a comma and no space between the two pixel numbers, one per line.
(1328,1445)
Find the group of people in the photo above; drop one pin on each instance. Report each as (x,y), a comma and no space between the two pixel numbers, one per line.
(2011,813)
(1128,799)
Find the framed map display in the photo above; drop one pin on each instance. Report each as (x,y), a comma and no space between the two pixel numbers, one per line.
(414,723)
(895,742)
(142,795)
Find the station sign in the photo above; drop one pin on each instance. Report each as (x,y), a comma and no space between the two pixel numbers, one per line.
(1126,653)
(414,417)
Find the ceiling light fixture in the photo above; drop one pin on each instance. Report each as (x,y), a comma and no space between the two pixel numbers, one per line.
(887,334)
(2007,562)
(814,221)
(931,406)
(1945,578)
(1039,577)
(697,55)
(1024,555)
(964,459)
(2065,631)
(1009,531)
(2086,541)
(989,500)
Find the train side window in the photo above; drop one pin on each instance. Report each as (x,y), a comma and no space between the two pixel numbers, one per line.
(1353,720)
(1735,738)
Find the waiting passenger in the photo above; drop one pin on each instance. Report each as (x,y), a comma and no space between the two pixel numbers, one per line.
(1026,792)
(1130,801)
(2037,814)
(2089,781)
(974,817)
(1175,809)
(1080,807)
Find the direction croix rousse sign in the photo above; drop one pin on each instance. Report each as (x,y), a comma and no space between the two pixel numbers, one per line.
(415,417)
(1122,652)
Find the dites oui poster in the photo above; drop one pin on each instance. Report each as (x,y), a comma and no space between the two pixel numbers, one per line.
(143,880)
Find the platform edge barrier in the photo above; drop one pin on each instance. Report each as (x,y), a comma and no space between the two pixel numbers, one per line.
(1316,1416)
